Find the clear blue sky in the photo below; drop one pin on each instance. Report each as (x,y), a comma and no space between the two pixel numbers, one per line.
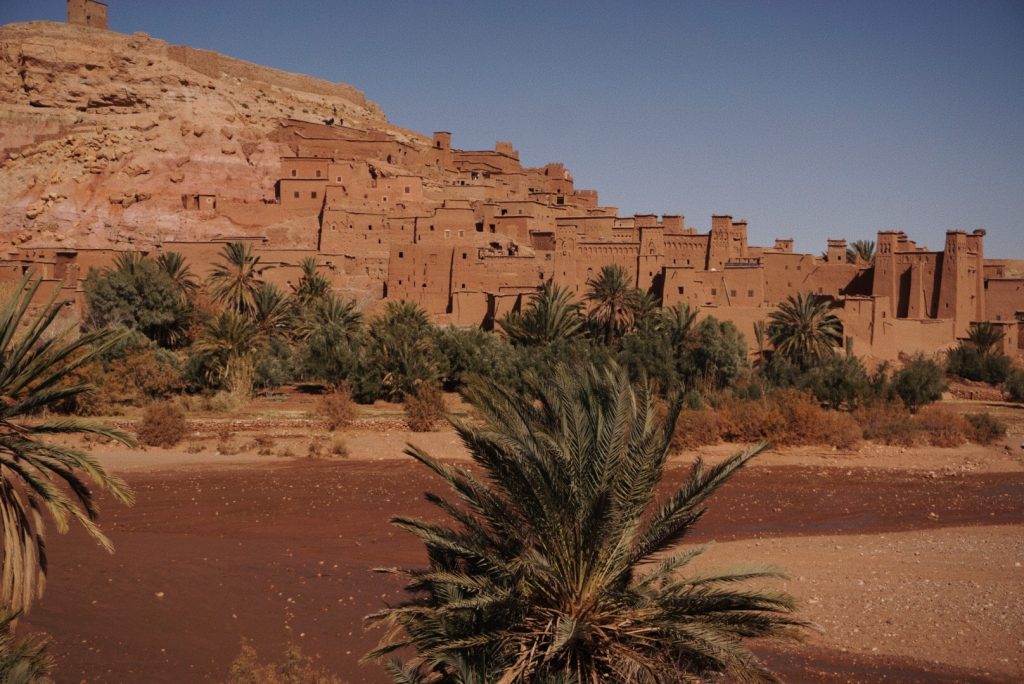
(809,119)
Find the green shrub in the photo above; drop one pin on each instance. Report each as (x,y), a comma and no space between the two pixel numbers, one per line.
(139,295)
(1014,386)
(840,381)
(985,428)
(921,381)
(163,425)
(474,352)
(968,362)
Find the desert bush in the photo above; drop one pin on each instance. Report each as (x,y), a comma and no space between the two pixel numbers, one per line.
(163,425)
(339,448)
(195,448)
(425,408)
(141,375)
(921,381)
(315,449)
(294,669)
(337,408)
(985,428)
(93,402)
(228,447)
(787,418)
(264,445)
(696,428)
(940,427)
(888,423)
(1014,386)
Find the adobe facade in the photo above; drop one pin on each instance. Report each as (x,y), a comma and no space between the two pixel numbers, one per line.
(470,234)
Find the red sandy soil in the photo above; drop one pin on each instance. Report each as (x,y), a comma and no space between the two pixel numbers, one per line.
(912,571)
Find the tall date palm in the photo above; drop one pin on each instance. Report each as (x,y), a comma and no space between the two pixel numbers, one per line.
(561,564)
(235,280)
(38,476)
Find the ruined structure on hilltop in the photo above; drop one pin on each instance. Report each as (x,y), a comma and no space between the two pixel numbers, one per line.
(222,150)
(91,13)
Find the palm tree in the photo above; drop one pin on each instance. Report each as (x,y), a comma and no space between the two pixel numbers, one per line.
(234,281)
(177,269)
(761,338)
(22,661)
(36,475)
(272,310)
(403,344)
(551,316)
(861,250)
(129,262)
(984,336)
(561,565)
(229,344)
(312,285)
(614,302)
(804,331)
(330,318)
(679,320)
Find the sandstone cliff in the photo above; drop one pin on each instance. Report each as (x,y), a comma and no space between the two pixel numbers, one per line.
(101,133)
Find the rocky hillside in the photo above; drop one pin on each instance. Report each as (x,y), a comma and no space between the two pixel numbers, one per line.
(101,133)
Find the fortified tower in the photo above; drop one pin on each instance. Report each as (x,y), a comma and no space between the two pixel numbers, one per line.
(90,13)
(728,241)
(961,290)
(652,252)
(884,283)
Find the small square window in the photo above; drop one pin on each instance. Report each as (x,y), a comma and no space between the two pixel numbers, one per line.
(401,255)
(312,195)
(750,293)
(296,194)
(714,291)
(294,172)
(732,293)
(680,289)
(318,173)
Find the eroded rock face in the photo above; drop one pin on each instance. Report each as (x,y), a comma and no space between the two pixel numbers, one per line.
(101,133)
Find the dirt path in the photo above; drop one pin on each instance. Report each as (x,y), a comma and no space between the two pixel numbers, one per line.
(279,551)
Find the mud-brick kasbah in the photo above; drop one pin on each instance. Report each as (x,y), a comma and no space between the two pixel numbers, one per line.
(119,142)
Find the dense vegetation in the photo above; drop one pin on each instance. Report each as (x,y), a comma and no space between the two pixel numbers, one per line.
(238,334)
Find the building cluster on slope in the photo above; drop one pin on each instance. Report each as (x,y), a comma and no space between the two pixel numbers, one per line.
(470,234)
